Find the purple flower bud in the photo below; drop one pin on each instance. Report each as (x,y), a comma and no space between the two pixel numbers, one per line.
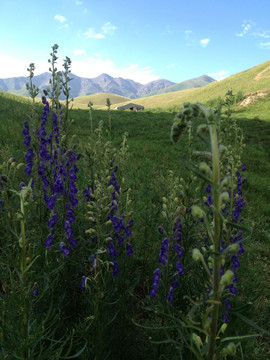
(161,229)
(48,242)
(22,185)
(170,296)
(83,282)
(129,249)
(115,268)
(64,249)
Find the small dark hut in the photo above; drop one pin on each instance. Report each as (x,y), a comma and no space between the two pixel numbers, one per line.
(130,106)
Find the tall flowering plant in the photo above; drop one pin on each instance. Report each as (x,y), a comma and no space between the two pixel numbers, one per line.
(51,162)
(219,236)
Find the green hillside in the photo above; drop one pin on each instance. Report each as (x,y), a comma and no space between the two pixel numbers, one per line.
(184,85)
(98,100)
(251,80)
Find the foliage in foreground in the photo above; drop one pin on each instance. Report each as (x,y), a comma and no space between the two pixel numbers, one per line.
(72,272)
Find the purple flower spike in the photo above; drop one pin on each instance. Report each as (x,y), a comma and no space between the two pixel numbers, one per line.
(111,250)
(129,249)
(83,282)
(161,230)
(115,268)
(156,280)
(170,296)
(48,242)
(64,249)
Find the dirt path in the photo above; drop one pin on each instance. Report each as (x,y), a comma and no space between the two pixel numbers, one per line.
(251,98)
(261,74)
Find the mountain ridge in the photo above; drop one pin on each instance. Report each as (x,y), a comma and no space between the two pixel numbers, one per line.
(103,83)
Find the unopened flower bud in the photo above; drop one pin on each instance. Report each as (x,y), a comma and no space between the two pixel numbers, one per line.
(196,254)
(90,231)
(231,349)
(223,328)
(197,211)
(197,340)
(222,149)
(204,168)
(234,248)
(19,166)
(224,197)
(227,278)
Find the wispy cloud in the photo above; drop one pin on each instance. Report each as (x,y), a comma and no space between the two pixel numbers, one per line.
(60,18)
(78,3)
(246,26)
(108,28)
(265,34)
(89,34)
(265,45)
(189,38)
(171,66)
(220,75)
(204,42)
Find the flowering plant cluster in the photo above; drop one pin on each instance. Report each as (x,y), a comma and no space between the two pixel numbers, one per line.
(171,252)
(56,167)
(110,229)
(216,220)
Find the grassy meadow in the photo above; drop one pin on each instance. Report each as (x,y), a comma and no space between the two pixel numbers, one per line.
(116,318)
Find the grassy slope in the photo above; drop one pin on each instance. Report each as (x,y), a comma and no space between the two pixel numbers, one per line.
(151,154)
(99,100)
(244,82)
(184,85)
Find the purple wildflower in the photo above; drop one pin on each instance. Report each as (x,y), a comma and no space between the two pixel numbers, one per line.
(129,249)
(156,281)
(164,252)
(64,249)
(83,283)
(115,268)
(170,296)
(48,242)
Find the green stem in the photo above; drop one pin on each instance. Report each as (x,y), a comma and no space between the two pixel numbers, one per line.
(23,279)
(217,227)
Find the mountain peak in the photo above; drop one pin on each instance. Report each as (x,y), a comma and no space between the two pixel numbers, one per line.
(103,83)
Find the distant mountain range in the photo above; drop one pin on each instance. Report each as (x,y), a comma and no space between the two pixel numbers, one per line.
(104,83)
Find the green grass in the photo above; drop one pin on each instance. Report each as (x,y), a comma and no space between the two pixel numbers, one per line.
(152,154)
(98,100)
(251,80)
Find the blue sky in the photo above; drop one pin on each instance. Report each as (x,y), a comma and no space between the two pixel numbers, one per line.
(143,40)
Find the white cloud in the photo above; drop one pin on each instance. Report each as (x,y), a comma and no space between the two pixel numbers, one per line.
(246,25)
(171,66)
(12,66)
(78,52)
(91,35)
(96,54)
(78,2)
(264,45)
(108,28)
(60,18)
(91,67)
(220,75)
(204,42)
(84,66)
(265,34)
